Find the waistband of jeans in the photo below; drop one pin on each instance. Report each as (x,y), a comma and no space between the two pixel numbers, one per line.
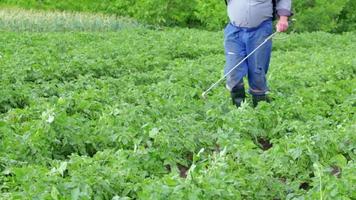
(253,28)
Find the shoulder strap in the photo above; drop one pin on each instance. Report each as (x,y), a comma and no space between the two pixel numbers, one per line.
(274,14)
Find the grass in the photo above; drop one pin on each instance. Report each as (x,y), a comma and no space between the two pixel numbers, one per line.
(17,19)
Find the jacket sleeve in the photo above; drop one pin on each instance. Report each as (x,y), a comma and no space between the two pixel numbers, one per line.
(284,7)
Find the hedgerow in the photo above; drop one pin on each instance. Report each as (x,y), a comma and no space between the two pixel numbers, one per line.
(312,15)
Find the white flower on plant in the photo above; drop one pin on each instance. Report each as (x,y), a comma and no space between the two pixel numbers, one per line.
(48,116)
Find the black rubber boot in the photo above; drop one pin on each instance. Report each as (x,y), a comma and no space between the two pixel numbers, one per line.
(238,95)
(258,98)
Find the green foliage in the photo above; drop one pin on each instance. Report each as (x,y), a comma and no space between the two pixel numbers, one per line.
(168,12)
(119,116)
(211,13)
(319,15)
(310,15)
(347,18)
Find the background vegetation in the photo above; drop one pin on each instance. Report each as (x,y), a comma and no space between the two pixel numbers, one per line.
(18,19)
(310,15)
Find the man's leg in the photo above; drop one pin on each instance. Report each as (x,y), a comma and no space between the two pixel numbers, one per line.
(258,63)
(235,52)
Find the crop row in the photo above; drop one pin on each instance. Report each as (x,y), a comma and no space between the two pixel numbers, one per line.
(119,116)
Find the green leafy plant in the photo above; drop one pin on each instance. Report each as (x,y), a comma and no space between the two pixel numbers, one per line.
(118,115)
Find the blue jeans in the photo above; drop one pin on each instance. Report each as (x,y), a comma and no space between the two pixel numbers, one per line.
(239,42)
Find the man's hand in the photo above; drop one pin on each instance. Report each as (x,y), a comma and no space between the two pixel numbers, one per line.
(282,24)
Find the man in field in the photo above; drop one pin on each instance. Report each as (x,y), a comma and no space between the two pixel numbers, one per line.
(250,24)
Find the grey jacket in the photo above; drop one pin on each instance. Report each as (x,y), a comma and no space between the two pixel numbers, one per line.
(251,13)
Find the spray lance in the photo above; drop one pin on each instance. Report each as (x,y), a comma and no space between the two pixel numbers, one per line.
(238,64)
